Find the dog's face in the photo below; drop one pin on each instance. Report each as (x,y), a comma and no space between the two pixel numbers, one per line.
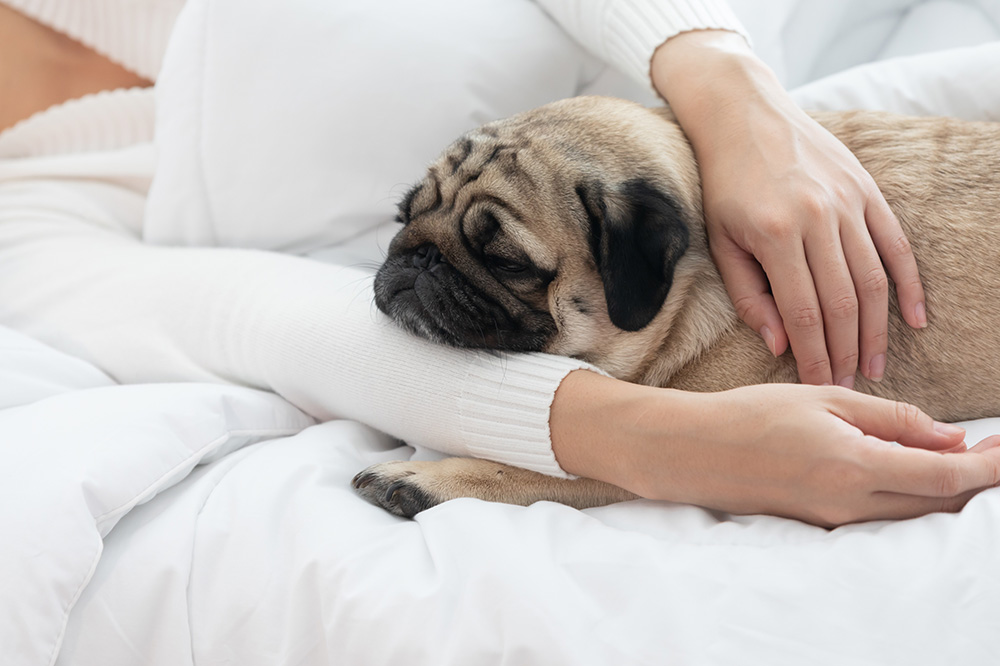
(557,230)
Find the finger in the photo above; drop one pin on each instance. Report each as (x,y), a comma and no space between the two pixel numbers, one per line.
(897,255)
(931,474)
(795,295)
(986,444)
(839,304)
(892,421)
(958,448)
(898,506)
(872,291)
(750,293)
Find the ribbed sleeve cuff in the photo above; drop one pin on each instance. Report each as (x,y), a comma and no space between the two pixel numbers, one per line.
(505,414)
(634,29)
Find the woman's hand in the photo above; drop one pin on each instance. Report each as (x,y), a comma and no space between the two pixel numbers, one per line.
(818,454)
(795,223)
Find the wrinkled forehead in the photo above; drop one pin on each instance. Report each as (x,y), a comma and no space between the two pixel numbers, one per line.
(511,173)
(497,160)
(490,184)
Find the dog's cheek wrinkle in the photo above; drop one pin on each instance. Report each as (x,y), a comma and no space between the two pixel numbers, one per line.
(457,160)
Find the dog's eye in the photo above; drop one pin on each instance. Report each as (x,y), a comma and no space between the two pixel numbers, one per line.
(504,264)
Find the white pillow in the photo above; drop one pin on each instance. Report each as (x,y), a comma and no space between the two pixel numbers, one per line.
(804,40)
(294,124)
(961,83)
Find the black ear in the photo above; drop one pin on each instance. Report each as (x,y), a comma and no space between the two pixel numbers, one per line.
(637,235)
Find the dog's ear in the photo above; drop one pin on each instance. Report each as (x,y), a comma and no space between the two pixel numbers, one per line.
(637,235)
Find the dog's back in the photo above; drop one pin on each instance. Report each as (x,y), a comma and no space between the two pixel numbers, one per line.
(941,178)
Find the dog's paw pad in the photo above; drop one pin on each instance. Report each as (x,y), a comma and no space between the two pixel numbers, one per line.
(395,488)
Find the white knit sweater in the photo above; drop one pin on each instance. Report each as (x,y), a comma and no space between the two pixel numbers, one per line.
(74,273)
(134,34)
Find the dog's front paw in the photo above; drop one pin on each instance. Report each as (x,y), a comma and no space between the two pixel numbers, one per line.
(396,487)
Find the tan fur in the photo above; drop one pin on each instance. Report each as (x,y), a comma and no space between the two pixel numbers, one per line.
(941,178)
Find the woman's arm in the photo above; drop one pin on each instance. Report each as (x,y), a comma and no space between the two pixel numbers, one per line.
(625,33)
(301,328)
(818,454)
(797,227)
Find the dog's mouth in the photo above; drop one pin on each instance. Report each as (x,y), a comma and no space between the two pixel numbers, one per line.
(438,303)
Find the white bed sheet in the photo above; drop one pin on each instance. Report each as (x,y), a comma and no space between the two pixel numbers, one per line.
(196,524)
(267,557)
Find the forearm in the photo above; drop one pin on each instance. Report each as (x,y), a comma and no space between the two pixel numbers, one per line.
(593,423)
(301,328)
(819,454)
(625,33)
(712,81)
(641,438)
(778,188)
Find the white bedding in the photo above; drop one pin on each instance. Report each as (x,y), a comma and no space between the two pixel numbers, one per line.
(231,535)
(199,524)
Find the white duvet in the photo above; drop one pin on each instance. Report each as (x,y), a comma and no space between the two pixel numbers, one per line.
(231,536)
(199,524)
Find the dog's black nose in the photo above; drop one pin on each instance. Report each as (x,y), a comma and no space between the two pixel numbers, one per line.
(426,256)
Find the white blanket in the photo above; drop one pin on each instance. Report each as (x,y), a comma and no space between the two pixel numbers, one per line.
(200,524)
(230,539)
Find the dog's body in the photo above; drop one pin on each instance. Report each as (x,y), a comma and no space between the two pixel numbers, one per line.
(576,229)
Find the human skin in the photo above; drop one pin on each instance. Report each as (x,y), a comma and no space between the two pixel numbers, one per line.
(40,67)
(820,454)
(788,209)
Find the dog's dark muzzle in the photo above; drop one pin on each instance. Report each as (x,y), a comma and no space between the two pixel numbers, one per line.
(428,296)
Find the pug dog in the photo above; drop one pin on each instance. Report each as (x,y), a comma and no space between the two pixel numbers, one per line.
(577,229)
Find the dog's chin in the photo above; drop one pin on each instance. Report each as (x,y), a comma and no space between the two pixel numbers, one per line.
(409,312)
(440,305)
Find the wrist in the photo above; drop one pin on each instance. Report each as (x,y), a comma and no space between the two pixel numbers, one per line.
(709,78)
(702,63)
(614,431)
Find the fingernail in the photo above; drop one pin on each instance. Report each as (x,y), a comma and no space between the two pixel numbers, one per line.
(769,340)
(920,312)
(847,382)
(947,429)
(876,368)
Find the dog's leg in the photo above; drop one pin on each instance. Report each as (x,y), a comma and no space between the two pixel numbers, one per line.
(408,487)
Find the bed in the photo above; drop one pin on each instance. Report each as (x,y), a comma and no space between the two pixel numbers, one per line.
(172,524)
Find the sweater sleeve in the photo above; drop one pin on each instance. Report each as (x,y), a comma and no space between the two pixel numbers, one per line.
(626,33)
(74,275)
